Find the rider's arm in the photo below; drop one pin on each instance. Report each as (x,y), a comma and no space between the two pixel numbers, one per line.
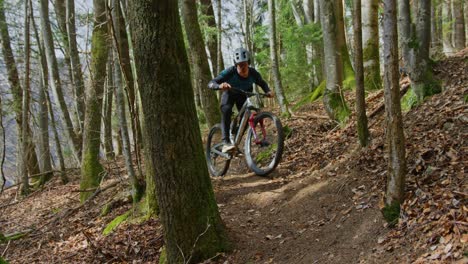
(259,81)
(221,78)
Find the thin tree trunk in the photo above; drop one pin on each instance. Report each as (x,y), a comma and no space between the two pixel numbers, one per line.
(26,98)
(333,99)
(77,76)
(447,27)
(362,128)
(313,50)
(220,61)
(394,124)
(459,25)
(107,120)
(16,89)
(274,61)
(118,26)
(201,70)
(193,230)
(212,43)
(55,81)
(44,148)
(370,40)
(91,168)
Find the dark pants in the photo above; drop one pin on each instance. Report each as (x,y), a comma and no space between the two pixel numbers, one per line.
(227,102)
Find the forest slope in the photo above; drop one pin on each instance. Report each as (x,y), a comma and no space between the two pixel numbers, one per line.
(322,205)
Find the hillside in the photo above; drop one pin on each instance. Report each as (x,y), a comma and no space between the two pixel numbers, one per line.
(322,205)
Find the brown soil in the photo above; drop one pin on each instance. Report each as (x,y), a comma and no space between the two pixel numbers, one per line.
(322,204)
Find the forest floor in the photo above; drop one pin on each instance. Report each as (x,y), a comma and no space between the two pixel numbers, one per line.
(321,205)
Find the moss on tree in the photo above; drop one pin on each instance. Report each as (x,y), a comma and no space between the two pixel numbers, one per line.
(372,79)
(91,173)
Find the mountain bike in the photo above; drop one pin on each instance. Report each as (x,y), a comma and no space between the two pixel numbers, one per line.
(263,146)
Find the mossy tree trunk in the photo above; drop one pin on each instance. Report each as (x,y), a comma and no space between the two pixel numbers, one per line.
(333,99)
(201,69)
(370,40)
(362,128)
(219,34)
(415,45)
(459,25)
(55,81)
(395,141)
(91,168)
(193,229)
(278,86)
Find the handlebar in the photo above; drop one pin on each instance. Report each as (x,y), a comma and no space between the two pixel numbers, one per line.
(248,94)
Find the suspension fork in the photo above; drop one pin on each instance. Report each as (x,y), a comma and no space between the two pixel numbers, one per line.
(254,131)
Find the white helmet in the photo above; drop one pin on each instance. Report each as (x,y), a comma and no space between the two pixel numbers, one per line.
(241,55)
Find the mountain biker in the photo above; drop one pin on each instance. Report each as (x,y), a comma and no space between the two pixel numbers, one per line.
(242,77)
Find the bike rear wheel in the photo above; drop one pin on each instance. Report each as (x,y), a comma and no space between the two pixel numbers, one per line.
(264,144)
(218,162)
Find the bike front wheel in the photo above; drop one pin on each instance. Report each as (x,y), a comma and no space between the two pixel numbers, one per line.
(218,162)
(264,144)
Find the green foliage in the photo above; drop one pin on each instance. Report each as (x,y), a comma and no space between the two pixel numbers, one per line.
(287,131)
(163,256)
(2,237)
(115,223)
(266,154)
(391,213)
(2,261)
(295,69)
(409,101)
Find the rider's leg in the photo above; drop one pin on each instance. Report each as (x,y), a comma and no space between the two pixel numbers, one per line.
(226,113)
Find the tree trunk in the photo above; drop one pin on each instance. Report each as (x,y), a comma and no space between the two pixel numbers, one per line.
(333,99)
(274,61)
(55,79)
(341,44)
(137,190)
(417,62)
(362,129)
(315,51)
(193,229)
(220,61)
(44,148)
(447,27)
(91,169)
(201,69)
(394,124)
(370,40)
(107,120)
(77,75)
(16,90)
(208,11)
(459,25)
(24,157)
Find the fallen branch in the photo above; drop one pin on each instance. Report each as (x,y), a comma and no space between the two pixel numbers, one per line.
(381,107)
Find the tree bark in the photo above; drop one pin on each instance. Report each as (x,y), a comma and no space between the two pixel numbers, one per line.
(77,75)
(91,169)
(274,61)
(370,40)
(362,128)
(395,140)
(55,81)
(192,226)
(201,69)
(333,100)
(459,25)
(24,154)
